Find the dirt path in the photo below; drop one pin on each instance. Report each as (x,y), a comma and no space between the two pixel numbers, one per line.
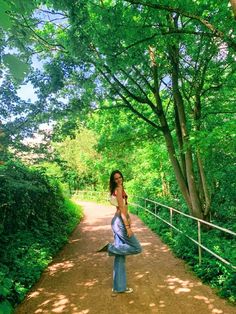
(79,281)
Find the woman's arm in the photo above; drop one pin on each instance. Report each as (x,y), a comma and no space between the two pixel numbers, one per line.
(124,212)
(129,219)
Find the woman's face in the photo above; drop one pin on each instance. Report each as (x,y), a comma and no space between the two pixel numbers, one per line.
(118,179)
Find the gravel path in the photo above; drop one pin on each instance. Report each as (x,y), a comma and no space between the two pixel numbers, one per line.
(79,281)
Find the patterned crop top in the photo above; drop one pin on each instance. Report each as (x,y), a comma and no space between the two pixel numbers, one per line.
(113,199)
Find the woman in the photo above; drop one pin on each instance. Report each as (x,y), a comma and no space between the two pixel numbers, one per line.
(125,242)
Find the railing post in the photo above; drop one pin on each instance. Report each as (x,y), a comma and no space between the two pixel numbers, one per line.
(155,213)
(199,242)
(137,208)
(172,227)
(171,222)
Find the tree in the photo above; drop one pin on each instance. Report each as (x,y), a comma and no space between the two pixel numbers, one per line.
(233,4)
(153,65)
(80,154)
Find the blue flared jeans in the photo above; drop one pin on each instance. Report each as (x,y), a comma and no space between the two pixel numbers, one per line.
(122,246)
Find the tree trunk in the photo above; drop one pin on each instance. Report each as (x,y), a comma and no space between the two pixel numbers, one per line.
(196,204)
(167,135)
(177,169)
(233,5)
(164,184)
(203,182)
(204,186)
(180,142)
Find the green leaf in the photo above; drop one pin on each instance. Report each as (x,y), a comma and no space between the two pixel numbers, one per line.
(17,67)
(4,291)
(23,6)
(5,20)
(6,308)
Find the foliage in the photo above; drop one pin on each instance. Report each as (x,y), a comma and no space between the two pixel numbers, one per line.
(211,271)
(79,152)
(35,223)
(164,64)
(168,65)
(155,100)
(58,169)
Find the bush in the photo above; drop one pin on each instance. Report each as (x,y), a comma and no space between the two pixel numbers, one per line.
(35,223)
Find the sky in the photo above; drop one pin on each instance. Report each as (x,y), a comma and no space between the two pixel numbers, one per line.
(26,91)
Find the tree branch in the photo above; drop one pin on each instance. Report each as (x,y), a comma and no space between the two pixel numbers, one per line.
(135,83)
(207,24)
(139,114)
(233,5)
(41,38)
(164,33)
(111,107)
(148,101)
(135,44)
(182,31)
(129,93)
(128,104)
(143,78)
(52,12)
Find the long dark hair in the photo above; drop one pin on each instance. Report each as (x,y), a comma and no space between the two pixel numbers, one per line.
(113,184)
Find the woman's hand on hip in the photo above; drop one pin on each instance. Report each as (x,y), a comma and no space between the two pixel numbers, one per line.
(129,232)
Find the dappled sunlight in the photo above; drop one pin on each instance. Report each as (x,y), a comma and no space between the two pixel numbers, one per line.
(179,290)
(79,281)
(216,311)
(150,250)
(88,283)
(139,275)
(74,241)
(161,286)
(201,297)
(209,302)
(52,301)
(45,303)
(140,230)
(61,304)
(180,286)
(64,266)
(161,303)
(97,228)
(87,257)
(82,297)
(164,249)
(143,244)
(34,294)
(84,311)
(58,303)
(155,248)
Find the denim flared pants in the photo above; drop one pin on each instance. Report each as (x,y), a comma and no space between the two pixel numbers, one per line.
(122,246)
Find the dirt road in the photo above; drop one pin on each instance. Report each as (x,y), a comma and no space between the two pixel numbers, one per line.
(79,281)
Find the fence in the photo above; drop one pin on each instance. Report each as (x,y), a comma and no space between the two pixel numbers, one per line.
(153,211)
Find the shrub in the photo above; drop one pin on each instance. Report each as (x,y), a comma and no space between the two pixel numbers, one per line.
(35,222)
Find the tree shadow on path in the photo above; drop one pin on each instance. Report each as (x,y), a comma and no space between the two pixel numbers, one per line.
(79,280)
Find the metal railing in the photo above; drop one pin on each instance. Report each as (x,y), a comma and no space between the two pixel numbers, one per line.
(153,212)
(98,195)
